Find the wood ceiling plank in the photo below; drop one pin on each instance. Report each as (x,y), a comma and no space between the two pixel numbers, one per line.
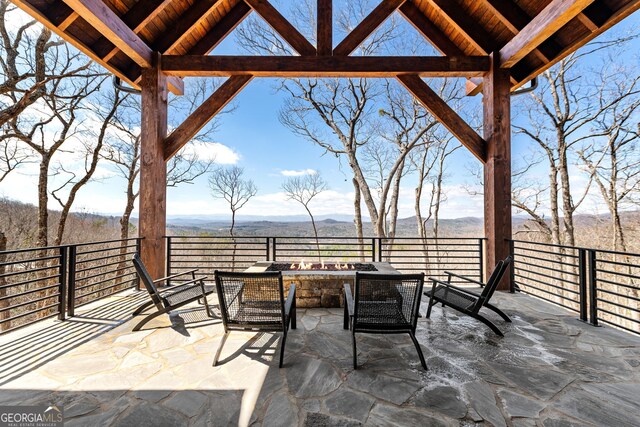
(221,30)
(324,66)
(205,112)
(367,26)
(281,26)
(544,25)
(446,115)
(184,25)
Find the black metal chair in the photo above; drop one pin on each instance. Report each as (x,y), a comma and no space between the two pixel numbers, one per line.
(384,304)
(255,302)
(171,298)
(467,301)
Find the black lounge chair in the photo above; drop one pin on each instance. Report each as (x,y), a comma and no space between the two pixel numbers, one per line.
(384,304)
(171,298)
(466,301)
(255,302)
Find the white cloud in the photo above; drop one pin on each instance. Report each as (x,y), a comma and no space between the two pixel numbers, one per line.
(211,151)
(299,172)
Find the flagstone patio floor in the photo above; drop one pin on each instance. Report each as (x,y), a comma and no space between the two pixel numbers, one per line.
(549,370)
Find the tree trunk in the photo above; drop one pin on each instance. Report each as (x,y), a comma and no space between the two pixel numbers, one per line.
(567,202)
(233,240)
(357,217)
(43,210)
(315,232)
(393,202)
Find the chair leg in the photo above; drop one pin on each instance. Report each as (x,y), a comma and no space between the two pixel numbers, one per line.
(420,355)
(142,308)
(284,340)
(490,324)
(429,308)
(207,308)
(222,341)
(355,350)
(293,314)
(500,312)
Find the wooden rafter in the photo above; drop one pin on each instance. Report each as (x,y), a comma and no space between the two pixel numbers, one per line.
(446,115)
(184,25)
(135,18)
(281,26)
(367,26)
(325,66)
(543,26)
(205,112)
(324,29)
(103,19)
(221,30)
(427,28)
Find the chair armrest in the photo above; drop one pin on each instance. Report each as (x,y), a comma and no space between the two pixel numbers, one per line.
(466,291)
(177,288)
(175,275)
(468,279)
(348,298)
(449,285)
(290,298)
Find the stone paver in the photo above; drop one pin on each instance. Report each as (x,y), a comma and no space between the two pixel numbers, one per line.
(549,370)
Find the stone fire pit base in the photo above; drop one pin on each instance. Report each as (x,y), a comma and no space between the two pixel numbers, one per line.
(319,288)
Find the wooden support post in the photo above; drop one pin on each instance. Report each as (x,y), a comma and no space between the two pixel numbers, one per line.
(497,168)
(153,169)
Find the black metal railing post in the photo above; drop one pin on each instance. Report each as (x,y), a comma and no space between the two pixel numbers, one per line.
(593,288)
(71,284)
(275,250)
(168,260)
(268,253)
(379,249)
(138,246)
(512,267)
(373,250)
(62,271)
(582,283)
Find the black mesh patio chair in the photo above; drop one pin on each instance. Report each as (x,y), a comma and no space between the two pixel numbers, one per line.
(255,302)
(169,299)
(467,301)
(383,304)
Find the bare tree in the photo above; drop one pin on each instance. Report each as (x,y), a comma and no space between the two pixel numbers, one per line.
(303,190)
(229,184)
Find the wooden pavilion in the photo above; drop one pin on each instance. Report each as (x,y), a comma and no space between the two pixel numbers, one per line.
(499,45)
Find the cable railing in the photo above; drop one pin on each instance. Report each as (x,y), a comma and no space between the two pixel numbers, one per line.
(601,286)
(39,283)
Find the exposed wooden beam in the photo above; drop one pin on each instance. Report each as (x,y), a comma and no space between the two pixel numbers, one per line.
(281,26)
(544,25)
(446,115)
(471,30)
(497,168)
(623,11)
(324,29)
(70,19)
(325,66)
(106,22)
(184,25)
(427,28)
(44,18)
(135,18)
(221,30)
(367,26)
(205,112)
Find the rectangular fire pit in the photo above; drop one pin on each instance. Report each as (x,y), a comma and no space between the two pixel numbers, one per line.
(318,287)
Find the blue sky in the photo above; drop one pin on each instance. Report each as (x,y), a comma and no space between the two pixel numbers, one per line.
(256,140)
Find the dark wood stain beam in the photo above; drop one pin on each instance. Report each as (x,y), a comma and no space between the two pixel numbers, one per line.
(367,26)
(283,27)
(424,26)
(324,28)
(544,25)
(205,112)
(445,114)
(325,66)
